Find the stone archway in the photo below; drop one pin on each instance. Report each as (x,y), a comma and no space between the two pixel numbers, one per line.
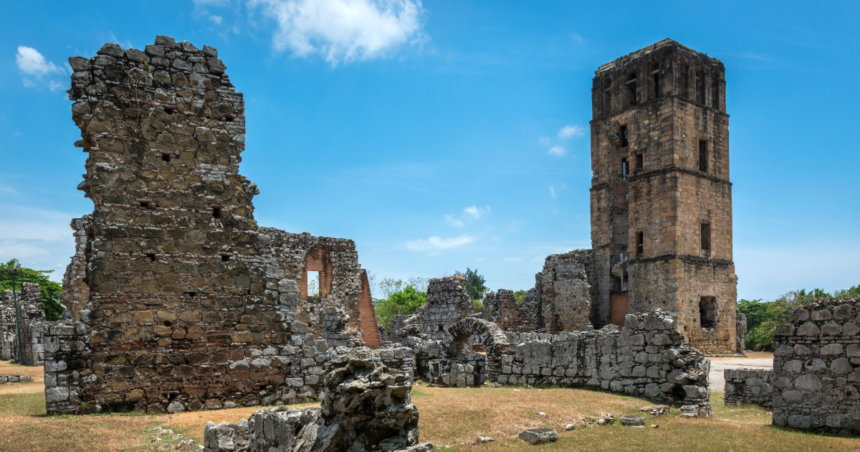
(456,342)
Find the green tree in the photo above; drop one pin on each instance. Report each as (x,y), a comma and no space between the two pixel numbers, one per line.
(51,291)
(520,296)
(474,284)
(403,302)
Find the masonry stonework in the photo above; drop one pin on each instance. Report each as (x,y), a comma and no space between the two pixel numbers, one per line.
(749,386)
(661,209)
(26,322)
(447,302)
(816,367)
(177,299)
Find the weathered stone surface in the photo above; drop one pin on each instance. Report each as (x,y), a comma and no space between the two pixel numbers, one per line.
(632,421)
(749,386)
(28,326)
(366,406)
(817,382)
(539,436)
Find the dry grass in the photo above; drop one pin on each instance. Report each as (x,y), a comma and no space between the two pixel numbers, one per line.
(449,417)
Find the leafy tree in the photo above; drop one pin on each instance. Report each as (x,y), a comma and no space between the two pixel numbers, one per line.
(520,295)
(51,291)
(474,284)
(853,291)
(477,306)
(403,302)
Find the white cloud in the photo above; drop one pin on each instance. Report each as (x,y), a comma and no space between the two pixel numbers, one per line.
(456,222)
(438,243)
(558,151)
(476,212)
(343,30)
(216,19)
(36,70)
(571,131)
(544,141)
(552,192)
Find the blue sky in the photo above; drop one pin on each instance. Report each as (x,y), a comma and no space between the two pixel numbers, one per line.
(441,135)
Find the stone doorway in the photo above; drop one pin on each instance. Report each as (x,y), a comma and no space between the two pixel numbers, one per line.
(618,308)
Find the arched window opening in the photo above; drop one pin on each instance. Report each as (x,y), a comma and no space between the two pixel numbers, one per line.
(607,95)
(700,84)
(655,79)
(631,88)
(684,79)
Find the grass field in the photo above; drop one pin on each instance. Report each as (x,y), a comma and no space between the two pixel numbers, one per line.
(449,417)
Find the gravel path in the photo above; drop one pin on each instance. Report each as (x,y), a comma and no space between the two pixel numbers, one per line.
(718,365)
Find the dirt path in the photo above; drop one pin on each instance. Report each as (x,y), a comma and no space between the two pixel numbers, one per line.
(754,360)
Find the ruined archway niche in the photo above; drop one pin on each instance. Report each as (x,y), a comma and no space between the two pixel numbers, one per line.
(175,285)
(317,260)
(457,344)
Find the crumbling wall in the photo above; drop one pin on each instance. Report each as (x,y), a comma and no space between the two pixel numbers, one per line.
(447,302)
(749,386)
(366,406)
(816,367)
(186,303)
(568,291)
(30,317)
(501,308)
(649,358)
(741,335)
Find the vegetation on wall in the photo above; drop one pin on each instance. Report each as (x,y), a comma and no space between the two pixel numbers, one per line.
(402,302)
(764,316)
(51,291)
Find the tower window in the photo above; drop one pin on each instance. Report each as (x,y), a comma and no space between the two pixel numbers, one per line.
(631,88)
(607,95)
(715,99)
(684,84)
(165,158)
(151,257)
(708,312)
(706,236)
(216,212)
(655,78)
(640,243)
(700,84)
(624,142)
(625,168)
(703,156)
(640,161)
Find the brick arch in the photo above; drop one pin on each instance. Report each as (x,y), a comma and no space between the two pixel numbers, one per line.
(456,341)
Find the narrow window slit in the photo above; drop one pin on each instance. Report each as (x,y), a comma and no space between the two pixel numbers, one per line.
(624,142)
(706,236)
(225,258)
(640,162)
(151,256)
(640,243)
(703,156)
(625,168)
(165,158)
(216,212)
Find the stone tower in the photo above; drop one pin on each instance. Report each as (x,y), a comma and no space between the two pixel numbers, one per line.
(661,200)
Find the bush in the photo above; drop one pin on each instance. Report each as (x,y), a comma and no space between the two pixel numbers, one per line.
(403,302)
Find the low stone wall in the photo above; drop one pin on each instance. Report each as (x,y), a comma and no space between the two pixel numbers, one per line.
(817,367)
(749,386)
(366,406)
(68,361)
(29,321)
(648,358)
(458,373)
(4,379)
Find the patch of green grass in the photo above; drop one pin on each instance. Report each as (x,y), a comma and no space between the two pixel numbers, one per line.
(26,404)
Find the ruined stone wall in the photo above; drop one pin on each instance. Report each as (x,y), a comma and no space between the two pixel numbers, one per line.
(447,302)
(817,367)
(185,302)
(30,318)
(366,406)
(501,308)
(568,292)
(749,386)
(648,358)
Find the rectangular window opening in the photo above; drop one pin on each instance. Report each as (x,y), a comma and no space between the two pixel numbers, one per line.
(151,257)
(703,156)
(706,237)
(631,91)
(216,212)
(625,168)
(640,243)
(640,161)
(708,312)
(624,141)
(165,158)
(225,258)
(313,278)
(655,79)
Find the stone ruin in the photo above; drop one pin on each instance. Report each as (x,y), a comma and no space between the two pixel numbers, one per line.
(176,299)
(816,367)
(30,319)
(366,406)
(447,302)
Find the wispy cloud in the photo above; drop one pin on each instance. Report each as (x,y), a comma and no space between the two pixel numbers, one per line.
(343,30)
(36,71)
(571,131)
(438,243)
(552,192)
(216,19)
(578,39)
(470,214)
(558,151)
